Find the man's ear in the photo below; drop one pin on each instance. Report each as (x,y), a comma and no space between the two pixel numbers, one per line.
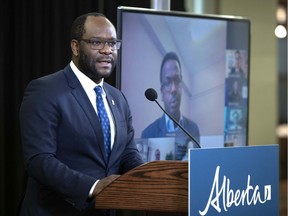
(74,47)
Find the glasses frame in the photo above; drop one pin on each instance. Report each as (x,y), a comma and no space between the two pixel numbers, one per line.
(167,84)
(102,44)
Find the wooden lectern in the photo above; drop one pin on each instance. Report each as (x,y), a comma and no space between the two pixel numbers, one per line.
(157,186)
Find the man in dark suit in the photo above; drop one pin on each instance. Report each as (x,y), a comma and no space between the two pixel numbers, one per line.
(237,70)
(62,136)
(171,92)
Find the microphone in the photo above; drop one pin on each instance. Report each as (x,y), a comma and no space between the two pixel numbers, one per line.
(151,95)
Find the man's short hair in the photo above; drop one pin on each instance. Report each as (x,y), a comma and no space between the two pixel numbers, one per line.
(77,29)
(169,56)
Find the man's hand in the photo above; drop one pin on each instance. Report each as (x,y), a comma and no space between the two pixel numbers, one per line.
(103,183)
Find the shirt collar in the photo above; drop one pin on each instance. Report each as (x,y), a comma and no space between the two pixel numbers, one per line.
(85,81)
(170,124)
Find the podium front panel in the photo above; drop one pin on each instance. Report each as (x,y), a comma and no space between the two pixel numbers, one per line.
(234,181)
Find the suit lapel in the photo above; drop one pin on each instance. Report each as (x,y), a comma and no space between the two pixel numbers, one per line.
(83,100)
(162,126)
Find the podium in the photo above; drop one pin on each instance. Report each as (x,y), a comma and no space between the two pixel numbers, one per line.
(157,186)
(216,181)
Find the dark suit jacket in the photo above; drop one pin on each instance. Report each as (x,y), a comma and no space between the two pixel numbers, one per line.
(158,129)
(62,144)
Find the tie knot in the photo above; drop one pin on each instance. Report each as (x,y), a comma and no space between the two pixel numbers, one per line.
(98,90)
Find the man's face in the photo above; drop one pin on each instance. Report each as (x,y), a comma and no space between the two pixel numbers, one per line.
(171,89)
(97,64)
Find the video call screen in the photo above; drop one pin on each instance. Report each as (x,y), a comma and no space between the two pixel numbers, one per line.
(214,56)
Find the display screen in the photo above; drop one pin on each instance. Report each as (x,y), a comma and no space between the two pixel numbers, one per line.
(209,82)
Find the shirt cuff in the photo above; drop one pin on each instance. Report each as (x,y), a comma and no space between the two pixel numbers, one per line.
(92,189)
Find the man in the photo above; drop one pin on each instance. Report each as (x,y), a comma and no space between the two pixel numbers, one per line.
(63,140)
(171,92)
(237,70)
(234,95)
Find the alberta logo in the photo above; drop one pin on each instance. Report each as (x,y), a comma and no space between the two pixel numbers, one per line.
(222,196)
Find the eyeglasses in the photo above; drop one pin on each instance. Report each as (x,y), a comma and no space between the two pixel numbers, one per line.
(100,44)
(167,84)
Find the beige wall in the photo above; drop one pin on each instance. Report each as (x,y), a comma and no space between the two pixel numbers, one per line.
(263,68)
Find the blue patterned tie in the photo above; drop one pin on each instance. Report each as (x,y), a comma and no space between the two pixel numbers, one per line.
(104,120)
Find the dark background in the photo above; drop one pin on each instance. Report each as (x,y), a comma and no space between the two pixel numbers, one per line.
(35,41)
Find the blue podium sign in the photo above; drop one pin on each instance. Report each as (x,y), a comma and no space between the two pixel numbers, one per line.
(234,181)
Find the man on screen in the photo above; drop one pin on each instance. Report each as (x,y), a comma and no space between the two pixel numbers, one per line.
(171,92)
(237,70)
